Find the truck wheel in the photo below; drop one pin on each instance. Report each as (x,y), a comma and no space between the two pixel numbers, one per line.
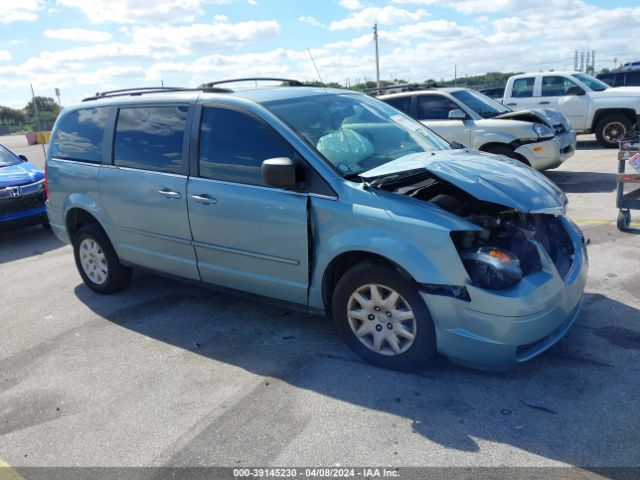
(610,129)
(97,261)
(382,318)
(624,220)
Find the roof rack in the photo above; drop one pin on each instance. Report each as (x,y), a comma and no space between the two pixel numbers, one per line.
(144,90)
(405,87)
(286,82)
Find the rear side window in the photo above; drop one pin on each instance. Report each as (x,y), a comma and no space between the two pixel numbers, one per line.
(435,107)
(523,87)
(79,135)
(401,103)
(632,79)
(151,138)
(233,146)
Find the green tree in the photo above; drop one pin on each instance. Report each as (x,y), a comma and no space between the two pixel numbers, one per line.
(46,106)
(11,116)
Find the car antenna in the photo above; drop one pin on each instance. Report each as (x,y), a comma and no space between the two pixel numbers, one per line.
(344,135)
(317,71)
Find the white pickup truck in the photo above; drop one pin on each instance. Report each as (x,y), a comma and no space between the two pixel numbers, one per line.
(591,105)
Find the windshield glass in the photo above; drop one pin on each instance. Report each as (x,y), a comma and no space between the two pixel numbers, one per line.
(354,132)
(481,104)
(7,158)
(591,82)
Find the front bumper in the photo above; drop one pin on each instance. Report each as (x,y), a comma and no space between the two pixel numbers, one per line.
(497,330)
(549,153)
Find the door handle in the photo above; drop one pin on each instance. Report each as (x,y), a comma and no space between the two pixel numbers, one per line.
(511,104)
(204,199)
(544,103)
(170,194)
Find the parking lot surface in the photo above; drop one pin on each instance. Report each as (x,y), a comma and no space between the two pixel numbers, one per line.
(167,373)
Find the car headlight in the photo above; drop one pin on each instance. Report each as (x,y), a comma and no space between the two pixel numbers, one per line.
(543,131)
(492,268)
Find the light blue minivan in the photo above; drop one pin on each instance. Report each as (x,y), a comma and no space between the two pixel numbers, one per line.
(327,200)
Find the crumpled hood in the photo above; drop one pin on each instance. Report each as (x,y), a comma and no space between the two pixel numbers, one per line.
(545,116)
(19,174)
(487,177)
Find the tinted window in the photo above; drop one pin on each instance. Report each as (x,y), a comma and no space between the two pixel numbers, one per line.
(632,79)
(523,87)
(435,107)
(554,86)
(607,78)
(150,138)
(233,146)
(79,134)
(401,103)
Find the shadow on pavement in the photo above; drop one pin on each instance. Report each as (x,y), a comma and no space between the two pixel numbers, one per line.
(26,242)
(574,404)
(589,145)
(583,182)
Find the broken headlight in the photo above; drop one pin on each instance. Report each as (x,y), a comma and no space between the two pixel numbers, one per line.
(543,131)
(492,268)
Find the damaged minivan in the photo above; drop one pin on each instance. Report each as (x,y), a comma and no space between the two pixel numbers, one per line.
(326,200)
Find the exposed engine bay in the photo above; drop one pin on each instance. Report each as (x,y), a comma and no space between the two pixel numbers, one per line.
(506,249)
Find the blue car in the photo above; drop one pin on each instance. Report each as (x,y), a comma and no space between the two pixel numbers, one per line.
(22,192)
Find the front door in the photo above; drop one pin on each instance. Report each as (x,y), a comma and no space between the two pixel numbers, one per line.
(247,236)
(433,111)
(559,93)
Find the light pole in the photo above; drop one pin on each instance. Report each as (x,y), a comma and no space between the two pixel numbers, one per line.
(375,39)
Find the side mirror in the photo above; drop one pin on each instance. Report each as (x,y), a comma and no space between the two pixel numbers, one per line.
(575,91)
(23,158)
(279,172)
(457,114)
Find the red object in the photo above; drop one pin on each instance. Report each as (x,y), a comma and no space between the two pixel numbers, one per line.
(31,138)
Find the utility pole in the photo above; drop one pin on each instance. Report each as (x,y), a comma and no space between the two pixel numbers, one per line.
(455,75)
(35,111)
(57,90)
(375,39)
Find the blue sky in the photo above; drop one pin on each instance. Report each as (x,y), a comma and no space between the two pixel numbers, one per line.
(84,46)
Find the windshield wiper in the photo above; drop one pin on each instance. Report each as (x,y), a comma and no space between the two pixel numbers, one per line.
(456,145)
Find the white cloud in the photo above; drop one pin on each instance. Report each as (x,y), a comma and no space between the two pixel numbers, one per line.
(5,55)
(313,21)
(351,4)
(22,11)
(78,34)
(139,11)
(186,40)
(220,18)
(252,2)
(387,15)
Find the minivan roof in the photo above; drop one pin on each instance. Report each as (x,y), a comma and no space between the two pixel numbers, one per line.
(255,94)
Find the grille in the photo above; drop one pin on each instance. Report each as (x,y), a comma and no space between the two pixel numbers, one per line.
(12,205)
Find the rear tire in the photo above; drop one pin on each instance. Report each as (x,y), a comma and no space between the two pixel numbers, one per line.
(97,261)
(382,318)
(611,128)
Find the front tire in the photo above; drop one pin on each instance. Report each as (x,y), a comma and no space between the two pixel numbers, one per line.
(97,261)
(382,318)
(611,128)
